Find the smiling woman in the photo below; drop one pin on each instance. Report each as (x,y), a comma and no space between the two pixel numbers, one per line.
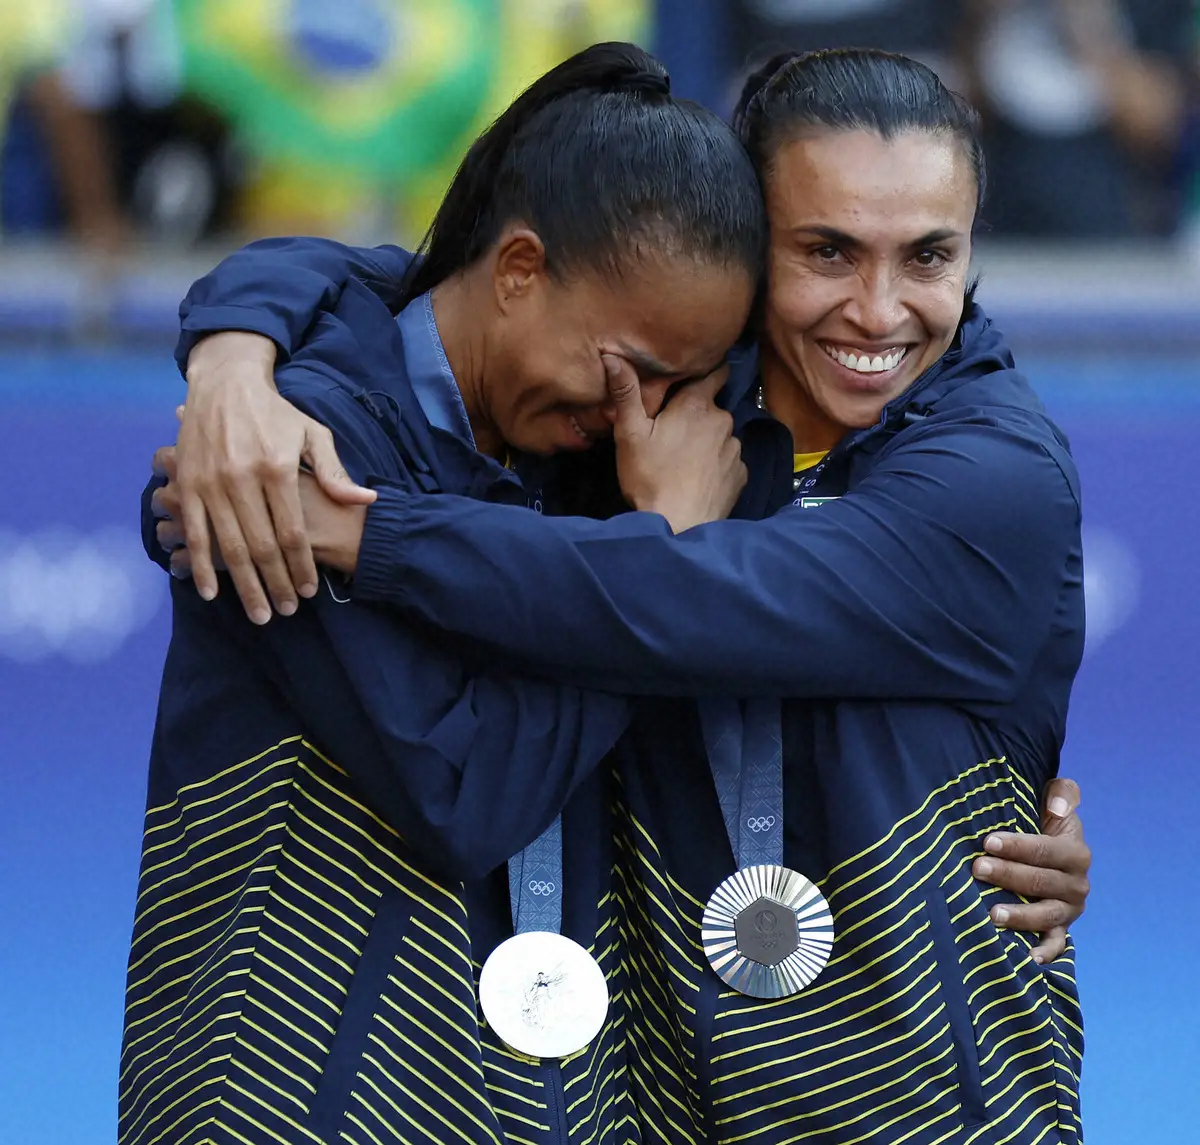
(873,174)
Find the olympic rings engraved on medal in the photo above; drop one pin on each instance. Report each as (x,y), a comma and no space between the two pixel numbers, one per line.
(761,823)
(541,887)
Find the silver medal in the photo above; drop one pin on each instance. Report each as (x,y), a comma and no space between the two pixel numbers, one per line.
(767,931)
(543,994)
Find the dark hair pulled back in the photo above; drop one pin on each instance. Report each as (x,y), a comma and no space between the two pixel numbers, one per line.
(603,163)
(852,89)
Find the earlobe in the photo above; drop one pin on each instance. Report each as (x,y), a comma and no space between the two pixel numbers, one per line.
(520,264)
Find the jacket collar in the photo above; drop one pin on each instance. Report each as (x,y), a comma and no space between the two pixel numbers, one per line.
(978,349)
(375,369)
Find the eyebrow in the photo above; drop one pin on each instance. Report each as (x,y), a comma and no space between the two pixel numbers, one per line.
(841,238)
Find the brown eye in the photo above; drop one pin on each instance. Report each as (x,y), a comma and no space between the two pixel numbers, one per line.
(826,253)
(929,259)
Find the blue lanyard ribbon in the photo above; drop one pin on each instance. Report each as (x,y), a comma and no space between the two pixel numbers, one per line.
(535,887)
(535,876)
(744,741)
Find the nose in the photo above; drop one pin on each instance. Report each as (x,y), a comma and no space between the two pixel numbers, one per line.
(876,306)
(653,396)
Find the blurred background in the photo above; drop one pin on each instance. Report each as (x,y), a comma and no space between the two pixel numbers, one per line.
(142,139)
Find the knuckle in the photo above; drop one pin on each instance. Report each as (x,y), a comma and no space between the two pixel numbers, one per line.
(234,474)
(262,550)
(197,483)
(235,553)
(270,468)
(1041,850)
(1050,914)
(292,539)
(1039,884)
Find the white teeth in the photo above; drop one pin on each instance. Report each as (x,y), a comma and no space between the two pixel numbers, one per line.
(865,364)
(576,427)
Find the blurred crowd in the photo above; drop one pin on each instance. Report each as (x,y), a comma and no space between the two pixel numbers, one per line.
(186,120)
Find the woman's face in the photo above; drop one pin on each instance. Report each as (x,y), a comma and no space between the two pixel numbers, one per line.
(672,319)
(869,256)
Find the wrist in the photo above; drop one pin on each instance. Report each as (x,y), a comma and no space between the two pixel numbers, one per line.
(677,520)
(232,358)
(340,550)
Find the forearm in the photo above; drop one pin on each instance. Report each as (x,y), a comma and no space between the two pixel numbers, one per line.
(868,596)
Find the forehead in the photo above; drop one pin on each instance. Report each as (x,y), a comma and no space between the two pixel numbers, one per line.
(874,188)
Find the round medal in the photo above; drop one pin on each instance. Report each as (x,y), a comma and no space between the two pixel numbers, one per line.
(767,931)
(543,994)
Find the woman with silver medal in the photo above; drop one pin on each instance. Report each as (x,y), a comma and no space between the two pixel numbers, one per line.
(334,795)
(929,691)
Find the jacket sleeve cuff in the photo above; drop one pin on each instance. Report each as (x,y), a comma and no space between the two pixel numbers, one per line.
(378,577)
(205,320)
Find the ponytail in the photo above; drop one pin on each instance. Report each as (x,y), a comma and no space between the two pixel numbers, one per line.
(595,153)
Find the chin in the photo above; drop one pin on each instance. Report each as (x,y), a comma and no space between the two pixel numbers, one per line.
(854,415)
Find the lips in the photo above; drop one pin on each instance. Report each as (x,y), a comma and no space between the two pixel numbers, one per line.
(867,369)
(865,361)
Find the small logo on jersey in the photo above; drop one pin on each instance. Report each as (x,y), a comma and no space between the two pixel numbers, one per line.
(814,502)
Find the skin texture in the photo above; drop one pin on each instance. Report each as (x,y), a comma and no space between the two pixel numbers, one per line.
(854,266)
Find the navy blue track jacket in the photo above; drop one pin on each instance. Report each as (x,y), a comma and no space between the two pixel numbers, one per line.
(332,798)
(927,617)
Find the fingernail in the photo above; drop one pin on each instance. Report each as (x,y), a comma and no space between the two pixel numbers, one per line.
(1038,959)
(308,591)
(984,867)
(288,608)
(994,844)
(1059,807)
(1000,915)
(611,366)
(208,593)
(260,616)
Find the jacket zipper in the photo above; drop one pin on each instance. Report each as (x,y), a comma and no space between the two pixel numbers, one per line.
(556,1104)
(706,1017)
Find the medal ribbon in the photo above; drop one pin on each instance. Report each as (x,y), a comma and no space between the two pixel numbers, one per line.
(744,741)
(535,883)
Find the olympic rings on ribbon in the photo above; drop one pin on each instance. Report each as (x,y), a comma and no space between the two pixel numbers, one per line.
(762,823)
(541,887)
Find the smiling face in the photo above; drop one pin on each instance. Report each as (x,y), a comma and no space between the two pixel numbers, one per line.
(672,318)
(870,251)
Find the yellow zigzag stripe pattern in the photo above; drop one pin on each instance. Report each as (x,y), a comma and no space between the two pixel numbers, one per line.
(262,885)
(928,1025)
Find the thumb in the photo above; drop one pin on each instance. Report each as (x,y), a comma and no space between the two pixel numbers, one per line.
(713,384)
(321,458)
(1061,801)
(625,391)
